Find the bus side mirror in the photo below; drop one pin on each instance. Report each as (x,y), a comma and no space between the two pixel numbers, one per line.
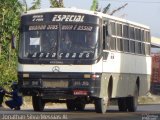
(13,42)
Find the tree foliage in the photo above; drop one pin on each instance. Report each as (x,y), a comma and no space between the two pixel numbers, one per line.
(36,5)
(53,4)
(9,24)
(94,6)
(56,3)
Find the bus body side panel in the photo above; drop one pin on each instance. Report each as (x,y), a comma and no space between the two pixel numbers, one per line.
(125,70)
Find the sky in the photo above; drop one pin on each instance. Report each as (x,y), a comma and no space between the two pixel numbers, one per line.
(142,11)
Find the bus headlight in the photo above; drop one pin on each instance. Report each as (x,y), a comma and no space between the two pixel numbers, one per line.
(87,76)
(25,75)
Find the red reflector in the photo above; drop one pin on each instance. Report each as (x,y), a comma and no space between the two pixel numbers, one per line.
(94,77)
(80,92)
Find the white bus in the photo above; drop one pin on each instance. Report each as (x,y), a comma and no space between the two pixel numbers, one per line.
(79,57)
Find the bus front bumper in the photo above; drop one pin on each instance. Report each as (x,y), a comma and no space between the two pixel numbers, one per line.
(60,89)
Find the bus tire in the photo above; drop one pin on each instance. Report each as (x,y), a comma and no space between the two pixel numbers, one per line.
(101,105)
(71,106)
(122,104)
(38,103)
(80,106)
(132,102)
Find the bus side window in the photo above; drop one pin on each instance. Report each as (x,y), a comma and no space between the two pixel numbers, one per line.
(105,38)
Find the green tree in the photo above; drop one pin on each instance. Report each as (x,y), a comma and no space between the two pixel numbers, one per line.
(9,24)
(36,5)
(56,3)
(94,6)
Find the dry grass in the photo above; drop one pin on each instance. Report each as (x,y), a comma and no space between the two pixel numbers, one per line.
(149,99)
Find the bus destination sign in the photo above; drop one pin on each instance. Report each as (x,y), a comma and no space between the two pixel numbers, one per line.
(59,17)
(68,18)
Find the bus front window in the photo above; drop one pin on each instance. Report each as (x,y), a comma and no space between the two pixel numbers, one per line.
(79,43)
(38,43)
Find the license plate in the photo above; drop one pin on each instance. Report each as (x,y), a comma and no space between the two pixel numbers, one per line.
(55,84)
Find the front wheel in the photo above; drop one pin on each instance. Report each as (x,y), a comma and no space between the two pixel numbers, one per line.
(80,106)
(38,103)
(71,106)
(101,105)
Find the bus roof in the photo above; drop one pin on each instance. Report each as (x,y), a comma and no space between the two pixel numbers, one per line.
(82,11)
(63,10)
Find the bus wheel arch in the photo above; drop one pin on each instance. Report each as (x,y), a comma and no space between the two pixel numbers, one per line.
(138,83)
(110,87)
(132,102)
(101,104)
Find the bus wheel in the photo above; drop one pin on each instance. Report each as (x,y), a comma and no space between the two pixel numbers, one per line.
(101,105)
(38,104)
(132,102)
(122,104)
(80,106)
(71,106)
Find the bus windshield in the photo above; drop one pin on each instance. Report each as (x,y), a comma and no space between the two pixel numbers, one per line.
(69,42)
(81,43)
